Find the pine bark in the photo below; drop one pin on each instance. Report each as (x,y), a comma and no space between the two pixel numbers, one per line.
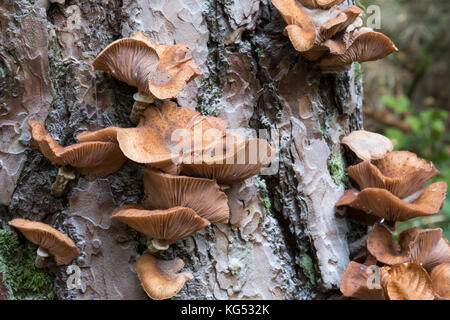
(285,239)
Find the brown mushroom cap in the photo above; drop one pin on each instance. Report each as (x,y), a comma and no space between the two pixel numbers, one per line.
(321,4)
(368,145)
(400,172)
(354,283)
(415,245)
(96,158)
(164,191)
(440,276)
(248,159)
(154,141)
(58,244)
(156,70)
(382,203)
(439,255)
(367,46)
(171,225)
(408,281)
(160,279)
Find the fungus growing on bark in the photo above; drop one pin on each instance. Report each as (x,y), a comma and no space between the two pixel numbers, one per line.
(368,145)
(164,136)
(440,276)
(235,163)
(164,226)
(164,191)
(96,158)
(407,281)
(49,240)
(400,172)
(161,279)
(414,245)
(160,71)
(382,203)
(355,281)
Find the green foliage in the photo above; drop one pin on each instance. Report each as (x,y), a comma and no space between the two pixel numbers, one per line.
(23,279)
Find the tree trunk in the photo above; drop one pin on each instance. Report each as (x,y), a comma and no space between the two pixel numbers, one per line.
(285,239)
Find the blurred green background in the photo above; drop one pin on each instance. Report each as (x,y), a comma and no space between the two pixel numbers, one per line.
(407,95)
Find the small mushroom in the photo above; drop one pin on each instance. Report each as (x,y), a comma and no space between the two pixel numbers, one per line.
(161,279)
(407,281)
(415,245)
(49,240)
(355,283)
(368,145)
(382,203)
(400,172)
(235,163)
(204,196)
(162,227)
(163,136)
(160,71)
(96,158)
(440,277)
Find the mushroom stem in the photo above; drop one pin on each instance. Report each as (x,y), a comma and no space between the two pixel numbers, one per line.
(155,245)
(42,254)
(142,101)
(64,176)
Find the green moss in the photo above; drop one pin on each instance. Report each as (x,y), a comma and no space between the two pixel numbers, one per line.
(263,190)
(259,52)
(337,169)
(23,279)
(306,263)
(357,72)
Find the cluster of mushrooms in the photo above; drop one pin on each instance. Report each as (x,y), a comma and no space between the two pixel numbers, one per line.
(392,188)
(333,36)
(184,178)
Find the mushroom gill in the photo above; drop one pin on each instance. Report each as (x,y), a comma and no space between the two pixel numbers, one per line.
(161,279)
(400,172)
(164,191)
(94,157)
(382,203)
(56,243)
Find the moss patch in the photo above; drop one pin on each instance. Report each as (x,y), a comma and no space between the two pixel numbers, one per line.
(23,279)
(306,263)
(357,66)
(264,192)
(337,169)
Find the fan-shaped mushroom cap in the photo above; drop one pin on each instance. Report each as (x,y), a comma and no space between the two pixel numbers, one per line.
(97,158)
(400,172)
(368,145)
(440,276)
(164,191)
(248,159)
(308,28)
(382,203)
(355,280)
(156,70)
(321,4)
(407,281)
(57,243)
(367,46)
(162,135)
(415,245)
(161,279)
(171,224)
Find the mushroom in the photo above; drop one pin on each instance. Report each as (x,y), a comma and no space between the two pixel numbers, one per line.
(355,283)
(400,172)
(368,145)
(415,245)
(161,279)
(64,176)
(440,277)
(164,136)
(160,71)
(407,281)
(164,191)
(162,227)
(309,28)
(234,163)
(382,203)
(97,158)
(49,240)
(366,45)
(321,4)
